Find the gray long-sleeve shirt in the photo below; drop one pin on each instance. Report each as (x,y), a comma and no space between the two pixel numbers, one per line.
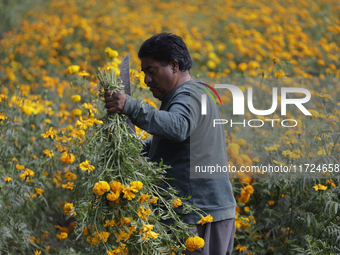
(188,142)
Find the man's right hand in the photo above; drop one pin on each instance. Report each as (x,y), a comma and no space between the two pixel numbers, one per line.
(114,102)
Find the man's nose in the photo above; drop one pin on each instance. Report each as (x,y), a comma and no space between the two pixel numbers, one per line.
(147,79)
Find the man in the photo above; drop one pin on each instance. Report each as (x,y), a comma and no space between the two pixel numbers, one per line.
(183,138)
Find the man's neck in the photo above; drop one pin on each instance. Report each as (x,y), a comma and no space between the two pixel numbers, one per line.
(184,77)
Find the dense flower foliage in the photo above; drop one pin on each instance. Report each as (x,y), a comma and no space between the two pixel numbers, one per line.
(49,107)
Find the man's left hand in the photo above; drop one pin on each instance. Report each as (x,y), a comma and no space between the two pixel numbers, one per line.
(114,102)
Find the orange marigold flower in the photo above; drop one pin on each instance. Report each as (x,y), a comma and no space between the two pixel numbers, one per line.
(206,219)
(62,236)
(193,243)
(85,166)
(39,191)
(242,67)
(176,203)
(241,248)
(18,166)
(68,207)
(8,179)
(153,200)
(69,185)
(136,186)
(101,187)
(50,133)
(67,158)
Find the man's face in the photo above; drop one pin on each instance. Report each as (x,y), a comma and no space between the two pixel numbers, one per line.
(161,79)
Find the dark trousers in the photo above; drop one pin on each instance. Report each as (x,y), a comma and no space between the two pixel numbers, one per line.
(218,237)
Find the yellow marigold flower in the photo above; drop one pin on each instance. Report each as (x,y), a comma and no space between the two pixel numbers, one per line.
(111,53)
(76,98)
(246,180)
(320,187)
(62,229)
(67,158)
(48,153)
(50,133)
(249,189)
(143,213)
(328,182)
(271,202)
(37,252)
(76,112)
(73,69)
(104,235)
(241,248)
(246,208)
(242,67)
(230,55)
(85,166)
(272,148)
(136,186)
(241,142)
(256,159)
(39,191)
(120,250)
(112,196)
(325,96)
(150,102)
(176,203)
(128,193)
(150,234)
(70,176)
(278,163)
(15,159)
(321,62)
(253,64)
(153,200)
(68,207)
(101,187)
(193,243)
(8,179)
(2,116)
(146,227)
(244,196)
(107,224)
(62,236)
(116,186)
(83,73)
(45,234)
(32,239)
(143,198)
(69,185)
(19,167)
(206,219)
(211,64)
(86,231)
(27,172)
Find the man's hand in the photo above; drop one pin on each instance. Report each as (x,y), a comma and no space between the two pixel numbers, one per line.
(114,103)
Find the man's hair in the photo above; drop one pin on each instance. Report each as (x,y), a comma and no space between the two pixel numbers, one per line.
(164,47)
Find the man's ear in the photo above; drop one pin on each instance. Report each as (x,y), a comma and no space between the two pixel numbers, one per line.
(174,65)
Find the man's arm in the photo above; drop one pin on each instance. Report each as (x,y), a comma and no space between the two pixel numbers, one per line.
(172,125)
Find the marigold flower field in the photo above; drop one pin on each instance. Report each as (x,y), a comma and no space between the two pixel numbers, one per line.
(59,193)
